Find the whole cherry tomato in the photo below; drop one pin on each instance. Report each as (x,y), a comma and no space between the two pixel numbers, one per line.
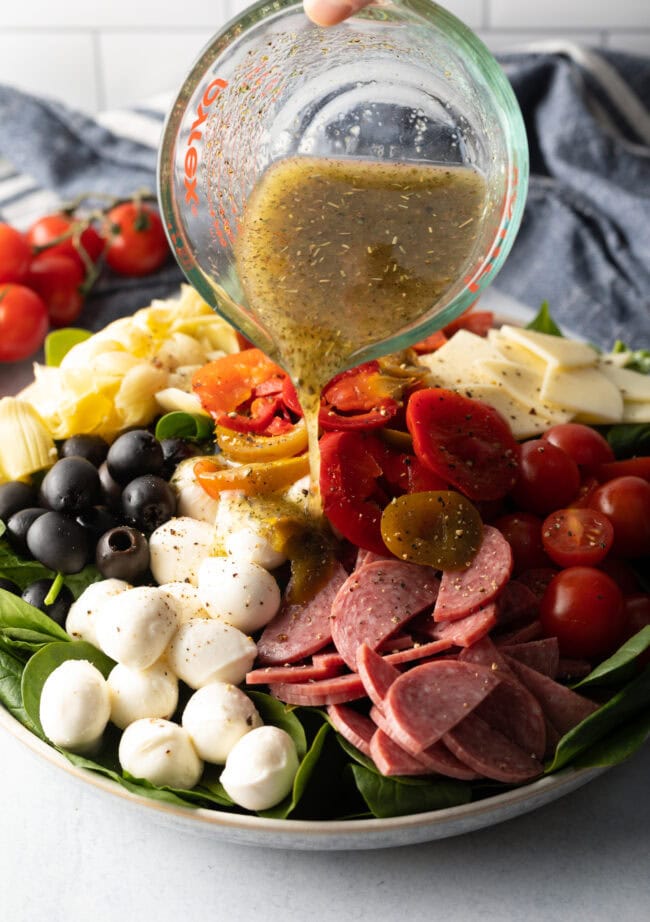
(137,243)
(523,532)
(548,478)
(52,227)
(15,255)
(626,503)
(587,447)
(23,322)
(57,278)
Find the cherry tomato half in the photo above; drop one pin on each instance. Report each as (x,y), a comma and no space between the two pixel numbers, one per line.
(523,532)
(51,227)
(15,255)
(626,503)
(577,537)
(583,608)
(57,278)
(137,244)
(23,322)
(548,478)
(587,447)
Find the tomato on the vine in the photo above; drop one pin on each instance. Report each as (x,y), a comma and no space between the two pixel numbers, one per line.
(548,478)
(626,503)
(137,244)
(577,537)
(58,278)
(23,322)
(584,609)
(15,255)
(42,234)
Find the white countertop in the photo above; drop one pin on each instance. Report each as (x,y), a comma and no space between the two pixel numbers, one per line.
(72,855)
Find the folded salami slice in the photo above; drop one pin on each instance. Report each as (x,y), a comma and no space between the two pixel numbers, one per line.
(391,759)
(541,655)
(354,727)
(376,674)
(464,591)
(490,753)
(470,629)
(270,675)
(298,630)
(338,690)
(426,702)
(564,708)
(375,601)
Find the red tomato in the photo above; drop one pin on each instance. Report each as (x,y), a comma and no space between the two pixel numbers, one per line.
(587,447)
(632,467)
(137,244)
(463,441)
(15,255)
(479,322)
(583,608)
(51,227)
(23,322)
(626,503)
(577,537)
(523,532)
(57,278)
(548,478)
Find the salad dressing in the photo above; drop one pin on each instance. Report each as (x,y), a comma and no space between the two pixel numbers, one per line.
(337,254)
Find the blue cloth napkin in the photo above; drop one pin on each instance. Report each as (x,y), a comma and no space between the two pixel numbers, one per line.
(584,244)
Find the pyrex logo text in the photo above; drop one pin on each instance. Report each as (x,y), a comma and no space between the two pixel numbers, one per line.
(212,91)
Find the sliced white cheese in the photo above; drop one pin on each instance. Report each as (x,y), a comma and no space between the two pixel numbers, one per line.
(585,391)
(556,350)
(633,385)
(449,364)
(636,411)
(524,421)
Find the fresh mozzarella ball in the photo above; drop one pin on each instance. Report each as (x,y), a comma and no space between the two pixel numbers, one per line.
(81,620)
(260,768)
(247,544)
(75,706)
(298,492)
(206,650)
(160,752)
(137,693)
(191,498)
(216,717)
(187,603)
(135,627)
(241,593)
(177,547)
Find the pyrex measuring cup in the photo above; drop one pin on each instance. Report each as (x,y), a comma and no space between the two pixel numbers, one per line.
(402,81)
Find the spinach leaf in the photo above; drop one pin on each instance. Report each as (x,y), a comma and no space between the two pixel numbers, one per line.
(15,613)
(46,661)
(178,425)
(305,770)
(629,439)
(620,667)
(355,754)
(617,746)
(401,796)
(611,716)
(11,672)
(23,571)
(59,342)
(543,322)
(636,359)
(275,712)
(23,641)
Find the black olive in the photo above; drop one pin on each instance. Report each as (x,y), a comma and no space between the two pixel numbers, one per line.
(9,586)
(71,486)
(58,542)
(111,490)
(174,451)
(122,553)
(18,526)
(14,496)
(134,454)
(91,447)
(147,502)
(35,595)
(97,520)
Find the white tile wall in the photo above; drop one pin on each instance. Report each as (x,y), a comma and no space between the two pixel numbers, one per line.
(95,54)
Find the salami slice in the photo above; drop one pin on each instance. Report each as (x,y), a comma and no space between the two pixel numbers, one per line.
(571,670)
(364,557)
(338,690)
(377,601)
(490,753)
(354,727)
(541,655)
(564,708)
(516,605)
(426,702)
(418,652)
(470,629)
(391,759)
(464,591)
(332,660)
(537,579)
(532,631)
(298,630)
(376,674)
(270,675)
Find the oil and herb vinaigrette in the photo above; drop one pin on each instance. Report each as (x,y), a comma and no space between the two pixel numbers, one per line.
(336,254)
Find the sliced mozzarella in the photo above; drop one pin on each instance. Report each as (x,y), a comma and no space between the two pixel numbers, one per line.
(239,592)
(82,616)
(138,693)
(75,706)
(585,391)
(216,717)
(524,421)
(635,411)
(556,350)
(177,548)
(186,601)
(206,650)
(260,768)
(633,385)
(449,364)
(135,627)
(161,752)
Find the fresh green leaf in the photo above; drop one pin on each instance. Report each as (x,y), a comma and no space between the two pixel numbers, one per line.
(178,425)
(617,746)
(620,667)
(635,359)
(23,571)
(611,716)
(275,712)
(628,440)
(59,342)
(46,661)
(355,754)
(305,770)
(11,672)
(401,796)
(20,640)
(543,322)
(214,791)
(15,613)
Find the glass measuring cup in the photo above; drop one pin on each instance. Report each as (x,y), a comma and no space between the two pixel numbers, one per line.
(401,81)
